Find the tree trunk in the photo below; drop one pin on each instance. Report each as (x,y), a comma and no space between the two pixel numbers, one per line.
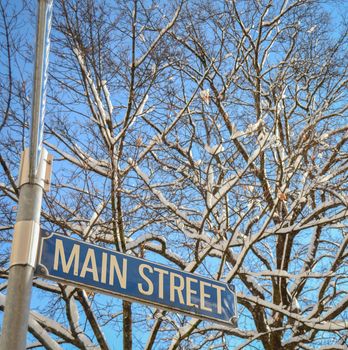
(127,325)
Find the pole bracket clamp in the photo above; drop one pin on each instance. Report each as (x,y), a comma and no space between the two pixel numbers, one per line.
(25,243)
(43,173)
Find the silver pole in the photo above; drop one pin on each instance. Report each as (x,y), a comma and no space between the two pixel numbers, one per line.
(33,180)
(40,81)
(15,324)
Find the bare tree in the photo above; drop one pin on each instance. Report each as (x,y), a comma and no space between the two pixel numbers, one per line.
(211,134)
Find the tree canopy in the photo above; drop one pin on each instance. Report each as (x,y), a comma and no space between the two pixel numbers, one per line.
(207,135)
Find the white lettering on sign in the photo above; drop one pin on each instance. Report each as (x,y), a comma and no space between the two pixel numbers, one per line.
(153,281)
(149,283)
(104,268)
(161,273)
(203,295)
(219,290)
(74,257)
(181,289)
(89,265)
(190,291)
(176,288)
(122,277)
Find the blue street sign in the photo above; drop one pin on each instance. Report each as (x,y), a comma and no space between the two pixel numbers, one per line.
(75,262)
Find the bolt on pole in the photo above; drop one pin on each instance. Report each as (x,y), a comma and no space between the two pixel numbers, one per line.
(34,177)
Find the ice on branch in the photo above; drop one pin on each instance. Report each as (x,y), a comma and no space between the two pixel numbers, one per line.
(214,149)
(205,96)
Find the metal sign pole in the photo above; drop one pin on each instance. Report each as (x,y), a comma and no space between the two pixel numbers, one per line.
(33,180)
